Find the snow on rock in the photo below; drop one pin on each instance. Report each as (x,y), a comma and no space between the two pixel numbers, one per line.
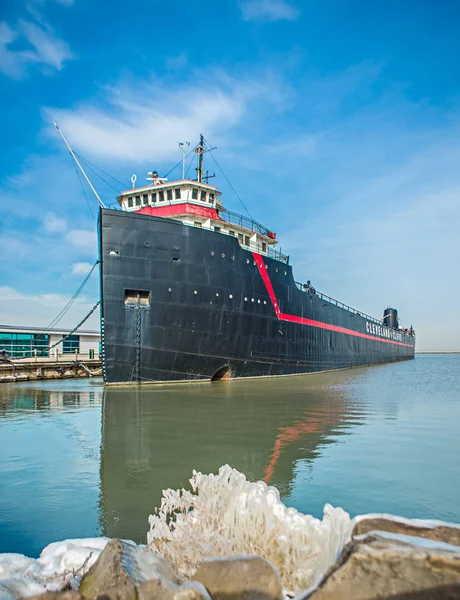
(18,587)
(226,515)
(59,564)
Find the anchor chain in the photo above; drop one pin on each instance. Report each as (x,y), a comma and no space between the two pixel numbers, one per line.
(138,340)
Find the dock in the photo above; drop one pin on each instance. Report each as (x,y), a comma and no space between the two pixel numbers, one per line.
(44,368)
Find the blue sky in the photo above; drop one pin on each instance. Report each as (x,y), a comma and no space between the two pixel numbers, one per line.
(337,122)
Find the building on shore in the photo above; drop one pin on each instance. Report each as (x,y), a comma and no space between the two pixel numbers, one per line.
(27,342)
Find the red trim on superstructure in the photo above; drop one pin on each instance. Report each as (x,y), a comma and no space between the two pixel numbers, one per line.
(311,322)
(184,208)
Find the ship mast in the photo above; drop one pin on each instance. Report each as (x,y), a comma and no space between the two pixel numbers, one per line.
(200,151)
(72,154)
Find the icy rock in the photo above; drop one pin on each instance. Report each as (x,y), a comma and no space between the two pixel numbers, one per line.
(17,587)
(384,565)
(158,589)
(432,530)
(122,563)
(226,515)
(68,595)
(242,578)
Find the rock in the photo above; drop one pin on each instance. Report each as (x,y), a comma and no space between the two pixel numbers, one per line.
(247,578)
(383,565)
(121,592)
(56,596)
(122,563)
(161,590)
(432,530)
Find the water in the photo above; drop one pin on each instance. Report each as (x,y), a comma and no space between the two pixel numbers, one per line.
(77,461)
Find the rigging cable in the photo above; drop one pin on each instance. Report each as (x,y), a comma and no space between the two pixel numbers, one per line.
(82,187)
(123,185)
(70,302)
(228,181)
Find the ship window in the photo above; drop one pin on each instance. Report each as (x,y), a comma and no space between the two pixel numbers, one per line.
(247,241)
(177,191)
(169,192)
(145,199)
(231,232)
(264,247)
(203,196)
(216,228)
(138,200)
(154,197)
(194,193)
(197,224)
(240,237)
(130,202)
(161,196)
(135,297)
(211,197)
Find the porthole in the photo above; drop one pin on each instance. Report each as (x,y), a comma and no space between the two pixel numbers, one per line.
(146,243)
(276,269)
(212,252)
(114,252)
(176,247)
(265,302)
(254,263)
(222,255)
(247,260)
(258,301)
(230,296)
(217,294)
(233,258)
(285,272)
(252,299)
(245,299)
(266,266)
(195,292)
(169,290)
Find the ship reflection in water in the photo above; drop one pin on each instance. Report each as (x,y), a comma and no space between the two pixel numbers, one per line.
(152,438)
(78,460)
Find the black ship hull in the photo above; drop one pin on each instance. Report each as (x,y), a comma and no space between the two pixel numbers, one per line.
(181,303)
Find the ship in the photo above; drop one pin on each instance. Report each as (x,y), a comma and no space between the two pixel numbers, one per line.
(191,291)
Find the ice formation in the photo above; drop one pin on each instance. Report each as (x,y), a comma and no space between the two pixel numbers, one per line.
(59,564)
(226,515)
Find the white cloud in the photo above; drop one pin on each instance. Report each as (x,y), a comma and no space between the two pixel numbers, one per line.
(81,268)
(268,10)
(37,46)
(54,224)
(38,310)
(140,122)
(147,124)
(83,239)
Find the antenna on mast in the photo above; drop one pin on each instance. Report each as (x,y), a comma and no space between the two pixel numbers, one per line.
(200,150)
(184,146)
(72,154)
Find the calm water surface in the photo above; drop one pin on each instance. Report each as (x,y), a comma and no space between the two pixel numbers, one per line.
(77,460)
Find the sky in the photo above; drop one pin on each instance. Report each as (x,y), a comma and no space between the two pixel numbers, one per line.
(336,121)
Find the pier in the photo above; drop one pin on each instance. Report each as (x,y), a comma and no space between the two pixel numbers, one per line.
(56,367)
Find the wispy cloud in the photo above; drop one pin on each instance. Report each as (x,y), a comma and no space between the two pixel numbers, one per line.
(81,268)
(83,239)
(38,310)
(54,224)
(30,44)
(140,122)
(268,10)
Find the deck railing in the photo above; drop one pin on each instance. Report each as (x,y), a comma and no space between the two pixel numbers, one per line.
(236,219)
(359,313)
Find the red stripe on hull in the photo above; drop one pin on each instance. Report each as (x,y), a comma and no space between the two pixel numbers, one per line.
(310,322)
